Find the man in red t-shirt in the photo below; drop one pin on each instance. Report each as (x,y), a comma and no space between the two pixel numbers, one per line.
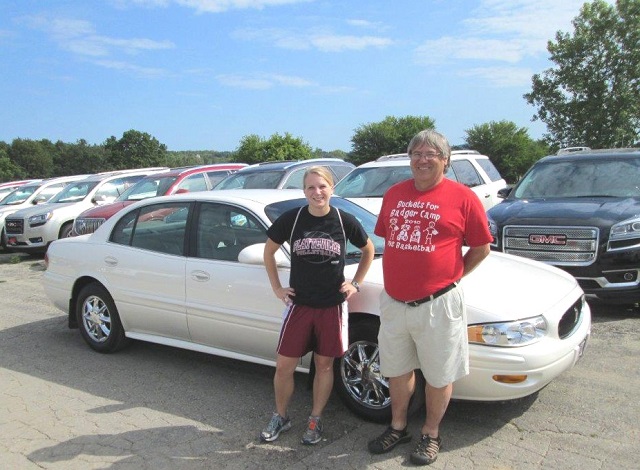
(423,324)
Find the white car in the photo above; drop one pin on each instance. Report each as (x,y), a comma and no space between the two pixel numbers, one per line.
(366,184)
(32,194)
(187,271)
(32,229)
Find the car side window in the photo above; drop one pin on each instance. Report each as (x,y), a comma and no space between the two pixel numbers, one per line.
(489,168)
(294,181)
(192,183)
(341,171)
(156,227)
(466,173)
(224,231)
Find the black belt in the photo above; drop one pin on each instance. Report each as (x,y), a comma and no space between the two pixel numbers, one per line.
(435,295)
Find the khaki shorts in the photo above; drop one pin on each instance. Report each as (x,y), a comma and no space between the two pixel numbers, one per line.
(431,337)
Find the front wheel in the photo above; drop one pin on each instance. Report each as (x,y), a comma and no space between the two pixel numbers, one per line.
(98,319)
(359,382)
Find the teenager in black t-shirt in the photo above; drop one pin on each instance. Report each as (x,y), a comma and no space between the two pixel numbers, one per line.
(316,316)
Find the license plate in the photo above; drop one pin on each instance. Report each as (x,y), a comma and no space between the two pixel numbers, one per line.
(12,241)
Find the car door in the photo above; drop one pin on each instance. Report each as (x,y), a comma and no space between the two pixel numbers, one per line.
(145,268)
(230,305)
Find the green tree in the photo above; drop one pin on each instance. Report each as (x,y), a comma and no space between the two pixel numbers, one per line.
(34,157)
(253,149)
(134,150)
(592,96)
(79,158)
(9,171)
(391,135)
(510,148)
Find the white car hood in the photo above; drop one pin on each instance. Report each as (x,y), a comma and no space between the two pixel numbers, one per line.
(530,288)
(372,204)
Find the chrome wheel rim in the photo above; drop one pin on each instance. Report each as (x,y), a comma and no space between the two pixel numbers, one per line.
(96,319)
(361,377)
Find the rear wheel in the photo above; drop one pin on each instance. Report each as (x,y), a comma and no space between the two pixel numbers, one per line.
(98,319)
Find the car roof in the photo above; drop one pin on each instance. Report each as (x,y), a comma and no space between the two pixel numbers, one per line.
(285,165)
(402,159)
(593,154)
(202,168)
(111,174)
(260,196)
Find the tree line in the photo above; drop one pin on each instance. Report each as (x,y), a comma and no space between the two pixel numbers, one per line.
(591,97)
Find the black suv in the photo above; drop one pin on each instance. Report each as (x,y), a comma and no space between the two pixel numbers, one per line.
(282,174)
(579,211)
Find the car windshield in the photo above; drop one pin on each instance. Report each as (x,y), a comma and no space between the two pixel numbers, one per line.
(74,192)
(605,177)
(371,182)
(148,187)
(252,180)
(18,196)
(366,218)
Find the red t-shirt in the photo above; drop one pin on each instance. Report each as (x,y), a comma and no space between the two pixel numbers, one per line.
(424,233)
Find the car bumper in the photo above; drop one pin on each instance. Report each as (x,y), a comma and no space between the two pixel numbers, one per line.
(540,362)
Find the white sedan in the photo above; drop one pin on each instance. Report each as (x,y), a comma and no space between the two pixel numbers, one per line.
(187,271)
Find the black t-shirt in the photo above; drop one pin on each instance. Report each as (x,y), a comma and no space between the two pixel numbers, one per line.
(317,253)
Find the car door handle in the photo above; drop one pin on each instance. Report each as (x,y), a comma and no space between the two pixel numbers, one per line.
(200,276)
(111,261)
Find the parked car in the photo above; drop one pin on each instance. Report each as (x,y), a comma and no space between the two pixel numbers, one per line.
(32,229)
(187,271)
(579,211)
(177,180)
(367,183)
(9,186)
(282,175)
(30,195)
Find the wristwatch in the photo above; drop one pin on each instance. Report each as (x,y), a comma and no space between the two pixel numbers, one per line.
(356,285)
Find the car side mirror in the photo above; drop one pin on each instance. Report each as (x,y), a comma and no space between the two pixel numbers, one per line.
(254,254)
(504,192)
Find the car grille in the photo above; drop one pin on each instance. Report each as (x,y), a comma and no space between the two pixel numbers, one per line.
(571,319)
(568,246)
(85,226)
(14,226)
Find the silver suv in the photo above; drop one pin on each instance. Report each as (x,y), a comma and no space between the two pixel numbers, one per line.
(281,174)
(366,184)
(32,229)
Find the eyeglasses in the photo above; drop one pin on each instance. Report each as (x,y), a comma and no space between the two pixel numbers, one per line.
(427,155)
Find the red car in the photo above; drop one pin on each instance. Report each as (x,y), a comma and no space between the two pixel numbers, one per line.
(174,181)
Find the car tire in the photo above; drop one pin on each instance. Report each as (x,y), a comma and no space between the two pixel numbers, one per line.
(357,378)
(98,319)
(65,231)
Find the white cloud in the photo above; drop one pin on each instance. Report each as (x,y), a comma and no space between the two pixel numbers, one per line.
(264,82)
(80,37)
(499,32)
(448,48)
(218,6)
(500,76)
(320,40)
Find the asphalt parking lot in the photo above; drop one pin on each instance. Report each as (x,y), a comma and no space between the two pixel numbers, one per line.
(63,406)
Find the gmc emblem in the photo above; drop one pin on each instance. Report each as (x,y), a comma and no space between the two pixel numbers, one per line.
(537,239)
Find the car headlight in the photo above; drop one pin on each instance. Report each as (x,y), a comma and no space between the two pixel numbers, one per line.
(40,219)
(513,333)
(493,230)
(629,228)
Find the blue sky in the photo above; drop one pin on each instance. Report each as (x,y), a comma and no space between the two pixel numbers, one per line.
(202,74)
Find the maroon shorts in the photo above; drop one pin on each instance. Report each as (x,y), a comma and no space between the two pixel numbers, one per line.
(324,331)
